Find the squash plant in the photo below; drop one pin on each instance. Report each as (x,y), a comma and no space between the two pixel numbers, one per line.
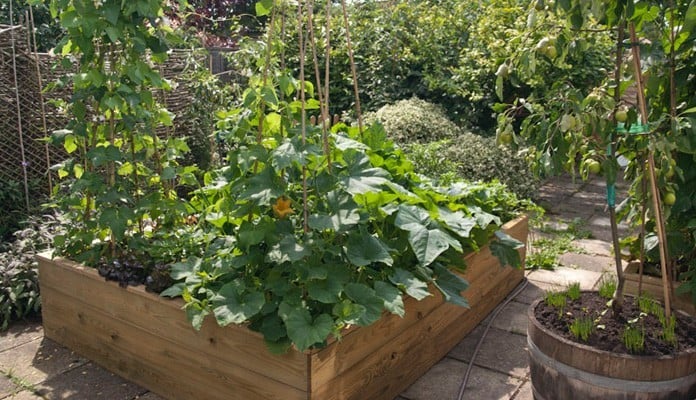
(316,231)
(575,129)
(118,186)
(299,262)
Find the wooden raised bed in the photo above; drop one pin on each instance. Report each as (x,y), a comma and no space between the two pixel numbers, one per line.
(652,286)
(147,339)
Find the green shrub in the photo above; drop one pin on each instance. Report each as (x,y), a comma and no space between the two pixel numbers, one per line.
(474,157)
(19,286)
(414,121)
(13,204)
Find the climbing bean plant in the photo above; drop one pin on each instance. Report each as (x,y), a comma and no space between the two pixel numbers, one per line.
(119,182)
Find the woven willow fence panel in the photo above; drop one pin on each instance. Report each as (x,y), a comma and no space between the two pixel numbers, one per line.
(27,115)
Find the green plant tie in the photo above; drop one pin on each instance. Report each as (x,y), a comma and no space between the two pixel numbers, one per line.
(611,189)
(635,129)
(611,195)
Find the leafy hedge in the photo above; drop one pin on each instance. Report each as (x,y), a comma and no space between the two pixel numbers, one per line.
(441,150)
(474,157)
(446,52)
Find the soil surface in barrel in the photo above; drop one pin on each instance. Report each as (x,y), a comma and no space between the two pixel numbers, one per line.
(608,328)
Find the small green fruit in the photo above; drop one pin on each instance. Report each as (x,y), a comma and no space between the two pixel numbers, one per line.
(669,198)
(506,137)
(670,173)
(551,52)
(621,116)
(593,166)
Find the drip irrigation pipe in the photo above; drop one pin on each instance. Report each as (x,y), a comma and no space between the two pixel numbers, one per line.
(495,313)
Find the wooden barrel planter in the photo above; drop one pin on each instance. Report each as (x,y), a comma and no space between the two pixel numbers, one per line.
(562,369)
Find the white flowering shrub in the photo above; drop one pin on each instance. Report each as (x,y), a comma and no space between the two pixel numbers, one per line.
(414,121)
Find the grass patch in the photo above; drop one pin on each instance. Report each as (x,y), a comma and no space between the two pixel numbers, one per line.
(546,250)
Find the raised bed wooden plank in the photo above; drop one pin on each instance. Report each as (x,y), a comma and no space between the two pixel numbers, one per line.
(354,363)
(653,287)
(163,366)
(165,319)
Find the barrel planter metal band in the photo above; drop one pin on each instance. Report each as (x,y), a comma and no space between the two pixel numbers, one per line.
(562,369)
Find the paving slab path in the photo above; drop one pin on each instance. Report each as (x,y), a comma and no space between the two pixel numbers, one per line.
(33,367)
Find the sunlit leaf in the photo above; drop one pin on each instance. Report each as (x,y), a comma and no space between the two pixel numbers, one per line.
(305,331)
(407,282)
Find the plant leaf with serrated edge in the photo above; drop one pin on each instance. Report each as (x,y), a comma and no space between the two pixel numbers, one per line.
(272,328)
(457,221)
(285,155)
(428,244)
(305,332)
(407,282)
(174,291)
(233,306)
(196,316)
(451,285)
(361,177)
(288,250)
(505,248)
(393,301)
(325,290)
(364,249)
(366,297)
(348,311)
(184,269)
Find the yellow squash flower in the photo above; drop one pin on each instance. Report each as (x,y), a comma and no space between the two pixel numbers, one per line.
(281,208)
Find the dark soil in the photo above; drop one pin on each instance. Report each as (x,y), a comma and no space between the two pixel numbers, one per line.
(609,338)
(129,270)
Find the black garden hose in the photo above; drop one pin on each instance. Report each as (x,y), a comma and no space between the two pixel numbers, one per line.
(495,313)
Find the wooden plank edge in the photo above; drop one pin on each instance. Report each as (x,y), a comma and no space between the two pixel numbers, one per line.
(151,361)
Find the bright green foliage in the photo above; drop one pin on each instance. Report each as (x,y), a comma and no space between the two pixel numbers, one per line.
(648,305)
(118,188)
(444,52)
(634,339)
(19,292)
(607,287)
(573,291)
(668,329)
(300,261)
(582,328)
(556,299)
(47,32)
(474,157)
(414,121)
